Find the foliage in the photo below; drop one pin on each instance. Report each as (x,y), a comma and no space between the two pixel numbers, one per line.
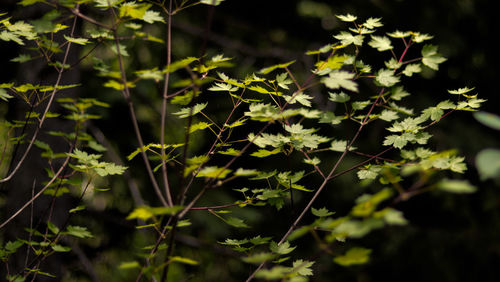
(270,116)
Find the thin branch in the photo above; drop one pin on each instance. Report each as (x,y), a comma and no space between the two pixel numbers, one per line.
(126,95)
(44,115)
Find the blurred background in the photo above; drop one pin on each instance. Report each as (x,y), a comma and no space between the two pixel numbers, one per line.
(450,238)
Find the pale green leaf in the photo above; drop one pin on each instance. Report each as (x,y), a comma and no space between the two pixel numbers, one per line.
(410,69)
(347,38)
(386,78)
(211,2)
(79,41)
(346,18)
(186,112)
(282,249)
(339,97)
(339,78)
(381,43)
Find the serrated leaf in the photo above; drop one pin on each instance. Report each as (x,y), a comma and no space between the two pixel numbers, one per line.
(347,38)
(79,41)
(410,69)
(322,212)
(372,23)
(339,78)
(346,18)
(381,43)
(399,34)
(282,249)
(78,231)
(339,97)
(187,112)
(303,267)
(388,115)
(386,78)
(431,57)
(461,91)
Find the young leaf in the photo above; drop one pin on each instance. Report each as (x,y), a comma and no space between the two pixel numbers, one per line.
(339,78)
(282,249)
(386,78)
(381,43)
(186,112)
(431,58)
(323,212)
(346,18)
(211,2)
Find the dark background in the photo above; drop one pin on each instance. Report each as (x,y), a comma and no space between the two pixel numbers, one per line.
(451,237)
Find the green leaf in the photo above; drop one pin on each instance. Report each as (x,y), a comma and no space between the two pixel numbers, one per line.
(10,36)
(381,43)
(410,69)
(338,145)
(282,249)
(236,222)
(339,78)
(59,248)
(339,97)
(213,172)
(78,231)
(346,38)
(152,17)
(392,216)
(456,186)
(186,112)
(386,78)
(488,163)
(4,95)
(262,153)
(347,18)
(372,23)
(322,212)
(133,10)
(354,256)
(331,118)
(399,34)
(105,169)
(431,57)
(211,2)
(278,66)
(79,41)
(300,97)
(199,126)
(388,115)
(461,91)
(302,267)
